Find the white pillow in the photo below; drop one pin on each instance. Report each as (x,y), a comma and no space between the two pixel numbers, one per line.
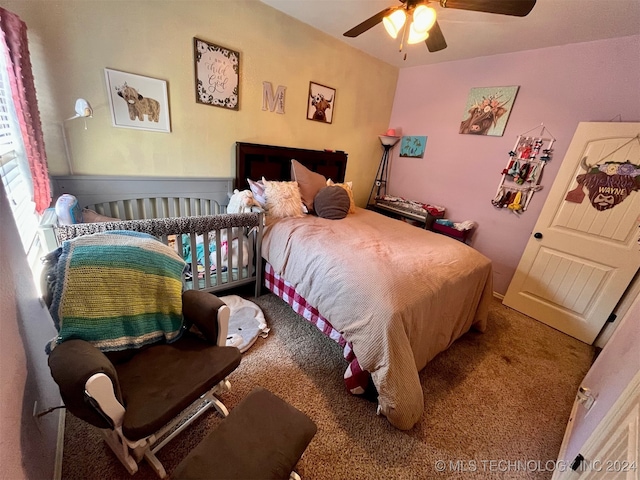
(283,199)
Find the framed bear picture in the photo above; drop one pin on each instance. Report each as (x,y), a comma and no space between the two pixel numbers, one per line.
(138,102)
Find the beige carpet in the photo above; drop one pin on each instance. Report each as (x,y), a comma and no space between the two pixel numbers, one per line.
(492,398)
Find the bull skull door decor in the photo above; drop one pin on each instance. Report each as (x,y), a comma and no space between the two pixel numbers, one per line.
(608,183)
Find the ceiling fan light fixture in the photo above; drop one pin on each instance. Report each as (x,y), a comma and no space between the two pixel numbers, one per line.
(394,22)
(423,18)
(416,36)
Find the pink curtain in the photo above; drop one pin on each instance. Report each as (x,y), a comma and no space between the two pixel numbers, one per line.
(14,37)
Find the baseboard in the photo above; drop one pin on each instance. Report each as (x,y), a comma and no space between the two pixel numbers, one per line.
(499,296)
(57,466)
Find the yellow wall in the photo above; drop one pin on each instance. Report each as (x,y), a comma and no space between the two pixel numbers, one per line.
(73,41)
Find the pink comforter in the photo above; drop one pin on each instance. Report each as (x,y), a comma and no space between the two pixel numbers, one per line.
(398,293)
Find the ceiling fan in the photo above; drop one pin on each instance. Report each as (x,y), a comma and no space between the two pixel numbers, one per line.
(424,26)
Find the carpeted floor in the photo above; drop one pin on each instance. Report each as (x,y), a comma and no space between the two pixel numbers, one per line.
(496,406)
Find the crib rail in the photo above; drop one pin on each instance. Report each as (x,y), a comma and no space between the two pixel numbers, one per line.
(160,207)
(98,192)
(215,270)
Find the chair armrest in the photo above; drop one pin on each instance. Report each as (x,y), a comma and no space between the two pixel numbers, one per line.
(72,363)
(208,313)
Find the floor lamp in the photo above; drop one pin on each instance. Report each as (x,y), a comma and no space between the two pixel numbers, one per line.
(83,110)
(380,183)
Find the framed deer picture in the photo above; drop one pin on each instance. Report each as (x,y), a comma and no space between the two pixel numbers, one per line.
(321,103)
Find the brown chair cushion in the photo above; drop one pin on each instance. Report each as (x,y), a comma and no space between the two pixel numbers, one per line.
(201,309)
(263,437)
(161,381)
(332,203)
(72,363)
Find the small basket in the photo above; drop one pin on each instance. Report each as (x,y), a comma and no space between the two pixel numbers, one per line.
(461,235)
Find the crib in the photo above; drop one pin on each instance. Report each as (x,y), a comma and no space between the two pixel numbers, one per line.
(222,250)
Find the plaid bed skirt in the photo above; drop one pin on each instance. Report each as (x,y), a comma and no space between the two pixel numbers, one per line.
(356,380)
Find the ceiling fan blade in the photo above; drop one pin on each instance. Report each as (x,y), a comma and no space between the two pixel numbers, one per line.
(435,42)
(369,23)
(516,8)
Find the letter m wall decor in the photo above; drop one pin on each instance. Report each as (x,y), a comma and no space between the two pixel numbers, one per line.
(270,101)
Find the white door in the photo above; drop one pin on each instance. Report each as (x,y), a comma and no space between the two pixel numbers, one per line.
(582,255)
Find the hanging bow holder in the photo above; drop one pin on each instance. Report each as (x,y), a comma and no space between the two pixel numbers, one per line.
(521,176)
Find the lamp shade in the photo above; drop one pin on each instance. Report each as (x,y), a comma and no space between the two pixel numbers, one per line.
(83,108)
(394,22)
(416,36)
(423,18)
(388,140)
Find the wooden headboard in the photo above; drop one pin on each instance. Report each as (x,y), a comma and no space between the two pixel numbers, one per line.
(274,163)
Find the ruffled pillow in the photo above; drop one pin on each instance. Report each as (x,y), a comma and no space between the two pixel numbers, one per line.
(348,186)
(282,199)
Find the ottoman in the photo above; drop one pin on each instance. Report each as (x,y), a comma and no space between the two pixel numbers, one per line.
(262,438)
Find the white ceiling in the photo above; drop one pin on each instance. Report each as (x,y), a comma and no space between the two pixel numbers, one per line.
(472,34)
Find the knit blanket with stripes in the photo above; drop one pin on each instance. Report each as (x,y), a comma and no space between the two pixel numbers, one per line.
(117,290)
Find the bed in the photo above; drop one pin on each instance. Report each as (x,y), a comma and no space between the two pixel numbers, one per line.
(393,295)
(187,213)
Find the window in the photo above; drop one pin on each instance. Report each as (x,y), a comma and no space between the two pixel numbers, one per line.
(16,176)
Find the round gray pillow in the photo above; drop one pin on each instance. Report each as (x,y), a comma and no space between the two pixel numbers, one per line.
(332,203)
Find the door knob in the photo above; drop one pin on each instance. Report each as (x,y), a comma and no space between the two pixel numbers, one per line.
(537,235)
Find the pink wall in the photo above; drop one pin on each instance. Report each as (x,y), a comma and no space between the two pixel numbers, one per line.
(13,374)
(559,86)
(607,378)
(28,449)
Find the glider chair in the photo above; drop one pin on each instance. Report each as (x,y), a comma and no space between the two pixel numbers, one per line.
(141,399)
(135,355)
